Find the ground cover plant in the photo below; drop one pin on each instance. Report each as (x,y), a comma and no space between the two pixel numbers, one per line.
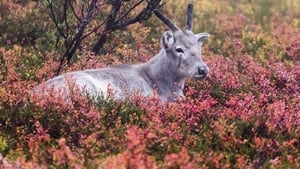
(246,114)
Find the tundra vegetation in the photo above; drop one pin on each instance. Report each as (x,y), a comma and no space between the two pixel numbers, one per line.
(245,114)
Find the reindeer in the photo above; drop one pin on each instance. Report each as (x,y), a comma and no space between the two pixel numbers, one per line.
(165,74)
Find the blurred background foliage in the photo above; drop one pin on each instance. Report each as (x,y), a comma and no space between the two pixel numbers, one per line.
(28,24)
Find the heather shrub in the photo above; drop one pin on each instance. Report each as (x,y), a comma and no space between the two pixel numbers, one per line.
(245,114)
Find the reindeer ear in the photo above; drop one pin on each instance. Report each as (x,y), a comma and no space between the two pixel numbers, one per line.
(202,36)
(167,40)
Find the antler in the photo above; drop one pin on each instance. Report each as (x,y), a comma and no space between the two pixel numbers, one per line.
(165,20)
(189,17)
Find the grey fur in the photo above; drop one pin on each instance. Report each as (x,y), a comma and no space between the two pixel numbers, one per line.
(178,59)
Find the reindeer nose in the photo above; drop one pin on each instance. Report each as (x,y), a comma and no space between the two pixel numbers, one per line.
(203,70)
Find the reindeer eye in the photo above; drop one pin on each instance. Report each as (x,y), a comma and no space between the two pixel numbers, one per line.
(179,50)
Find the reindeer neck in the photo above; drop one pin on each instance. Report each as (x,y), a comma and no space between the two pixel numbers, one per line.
(158,72)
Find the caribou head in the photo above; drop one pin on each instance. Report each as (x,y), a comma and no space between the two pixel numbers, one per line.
(184,47)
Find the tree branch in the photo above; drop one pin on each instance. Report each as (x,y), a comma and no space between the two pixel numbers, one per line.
(53,17)
(113,24)
(128,11)
(75,31)
(74,43)
(74,13)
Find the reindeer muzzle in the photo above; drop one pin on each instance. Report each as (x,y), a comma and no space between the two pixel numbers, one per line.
(202,73)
